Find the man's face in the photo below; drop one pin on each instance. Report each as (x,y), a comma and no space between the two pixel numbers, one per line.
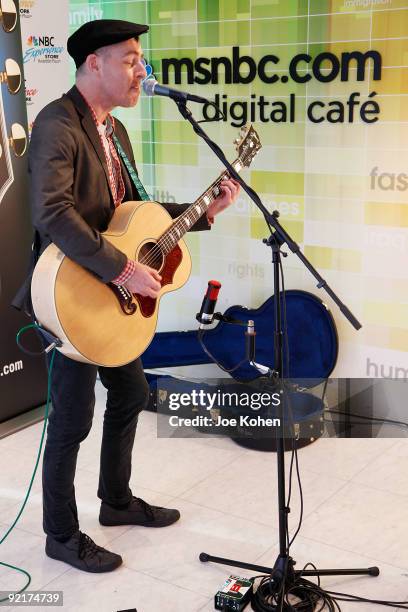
(121,72)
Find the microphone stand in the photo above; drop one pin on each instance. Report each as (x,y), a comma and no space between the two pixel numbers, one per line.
(283,574)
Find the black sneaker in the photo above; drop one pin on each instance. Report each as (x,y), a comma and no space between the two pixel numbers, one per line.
(81,552)
(138,512)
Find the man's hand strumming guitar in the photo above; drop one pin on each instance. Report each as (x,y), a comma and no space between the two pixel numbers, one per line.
(144,281)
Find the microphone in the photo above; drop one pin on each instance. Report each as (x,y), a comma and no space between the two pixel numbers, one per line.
(206,314)
(250,341)
(250,351)
(152,88)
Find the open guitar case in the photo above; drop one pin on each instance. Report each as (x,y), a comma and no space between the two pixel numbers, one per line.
(311,353)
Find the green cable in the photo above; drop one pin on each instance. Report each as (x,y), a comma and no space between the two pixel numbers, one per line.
(19,569)
(24,329)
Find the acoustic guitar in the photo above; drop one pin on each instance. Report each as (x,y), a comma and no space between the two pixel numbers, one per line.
(105,324)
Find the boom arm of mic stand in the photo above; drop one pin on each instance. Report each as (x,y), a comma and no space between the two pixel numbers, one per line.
(322,284)
(271,219)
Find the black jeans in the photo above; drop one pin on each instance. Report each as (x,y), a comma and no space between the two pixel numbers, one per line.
(70,420)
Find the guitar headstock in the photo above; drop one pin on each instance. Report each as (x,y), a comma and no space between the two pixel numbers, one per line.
(247,144)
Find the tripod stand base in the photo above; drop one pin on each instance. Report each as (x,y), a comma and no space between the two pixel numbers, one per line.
(283,562)
(283,581)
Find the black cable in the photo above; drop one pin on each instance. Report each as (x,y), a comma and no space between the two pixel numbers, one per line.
(301,500)
(200,335)
(307,594)
(285,396)
(294,456)
(221,115)
(373,419)
(286,331)
(265,598)
(289,493)
(381,602)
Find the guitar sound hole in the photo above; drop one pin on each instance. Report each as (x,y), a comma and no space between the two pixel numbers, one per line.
(151,255)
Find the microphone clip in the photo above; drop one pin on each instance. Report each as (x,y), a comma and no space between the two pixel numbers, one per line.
(218,316)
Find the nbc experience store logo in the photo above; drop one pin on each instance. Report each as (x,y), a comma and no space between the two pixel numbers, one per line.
(42,49)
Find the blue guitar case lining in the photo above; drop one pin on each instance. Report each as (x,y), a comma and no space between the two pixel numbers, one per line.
(312,341)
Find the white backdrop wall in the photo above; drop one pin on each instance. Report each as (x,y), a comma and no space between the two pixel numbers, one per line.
(341,188)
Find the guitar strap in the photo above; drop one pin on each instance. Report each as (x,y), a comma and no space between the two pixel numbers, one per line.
(133,174)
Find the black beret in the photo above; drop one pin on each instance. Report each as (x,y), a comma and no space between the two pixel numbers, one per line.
(99,33)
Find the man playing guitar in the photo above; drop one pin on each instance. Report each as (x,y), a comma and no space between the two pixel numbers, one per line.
(78,179)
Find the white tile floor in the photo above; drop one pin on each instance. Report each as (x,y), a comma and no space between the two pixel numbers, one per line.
(356,511)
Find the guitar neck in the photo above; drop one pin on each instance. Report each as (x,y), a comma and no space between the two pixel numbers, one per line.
(186,220)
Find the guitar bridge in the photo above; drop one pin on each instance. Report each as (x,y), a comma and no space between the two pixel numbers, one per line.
(124,297)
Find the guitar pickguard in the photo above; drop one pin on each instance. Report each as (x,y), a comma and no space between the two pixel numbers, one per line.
(147,304)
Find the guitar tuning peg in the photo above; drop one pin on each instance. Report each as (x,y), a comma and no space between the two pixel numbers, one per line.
(11,75)
(18,139)
(8,15)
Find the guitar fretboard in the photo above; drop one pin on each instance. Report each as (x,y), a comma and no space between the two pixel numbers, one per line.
(186,220)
